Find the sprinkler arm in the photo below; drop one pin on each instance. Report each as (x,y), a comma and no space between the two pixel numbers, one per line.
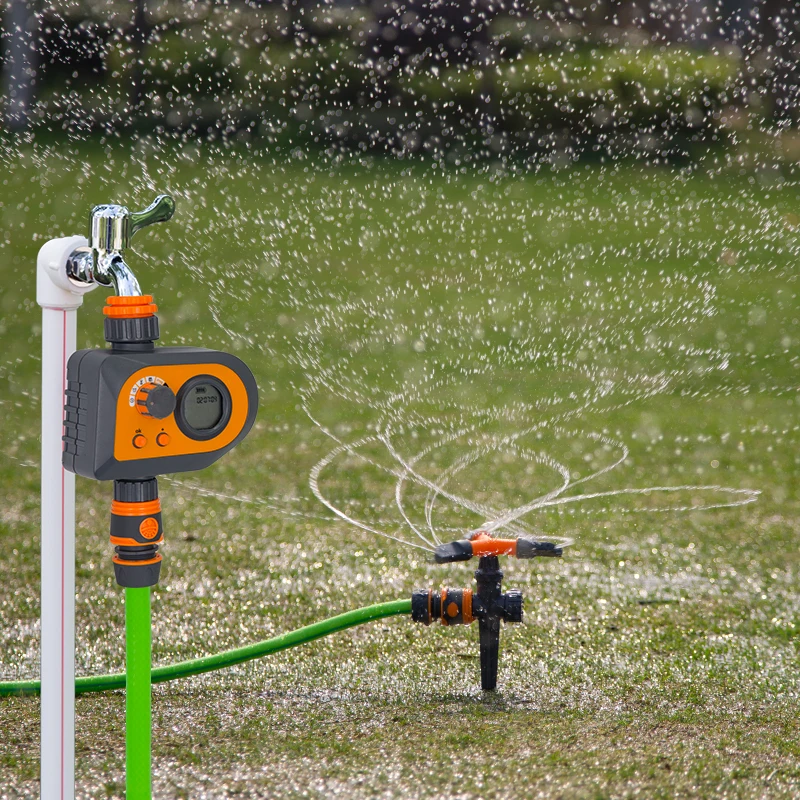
(110,230)
(484,545)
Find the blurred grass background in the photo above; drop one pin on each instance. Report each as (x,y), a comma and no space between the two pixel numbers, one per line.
(618,178)
(658,658)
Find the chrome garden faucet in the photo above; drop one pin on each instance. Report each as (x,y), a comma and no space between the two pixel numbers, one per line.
(110,230)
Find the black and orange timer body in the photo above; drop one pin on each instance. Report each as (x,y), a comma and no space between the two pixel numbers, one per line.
(135,415)
(136,411)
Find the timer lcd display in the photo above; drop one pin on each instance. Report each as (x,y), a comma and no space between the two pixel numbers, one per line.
(202,406)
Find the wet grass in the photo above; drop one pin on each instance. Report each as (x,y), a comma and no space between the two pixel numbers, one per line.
(658,658)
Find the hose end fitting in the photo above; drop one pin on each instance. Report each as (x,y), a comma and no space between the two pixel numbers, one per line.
(136,533)
(137,567)
(449,606)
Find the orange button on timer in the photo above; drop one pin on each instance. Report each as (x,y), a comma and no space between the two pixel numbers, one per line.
(139,441)
(162,440)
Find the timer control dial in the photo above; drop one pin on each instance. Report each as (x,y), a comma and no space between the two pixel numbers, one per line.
(155,400)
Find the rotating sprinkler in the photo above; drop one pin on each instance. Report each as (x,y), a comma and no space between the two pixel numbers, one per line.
(488,603)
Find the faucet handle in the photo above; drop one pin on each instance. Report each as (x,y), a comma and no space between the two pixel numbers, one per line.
(160,210)
(111,226)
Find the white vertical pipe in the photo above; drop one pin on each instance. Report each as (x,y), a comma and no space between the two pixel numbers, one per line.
(60,300)
(58,565)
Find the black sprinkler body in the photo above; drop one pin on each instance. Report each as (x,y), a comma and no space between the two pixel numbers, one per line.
(487,603)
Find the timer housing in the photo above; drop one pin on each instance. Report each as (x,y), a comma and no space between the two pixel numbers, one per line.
(134,415)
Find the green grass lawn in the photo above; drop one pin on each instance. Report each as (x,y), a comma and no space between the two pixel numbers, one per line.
(483,325)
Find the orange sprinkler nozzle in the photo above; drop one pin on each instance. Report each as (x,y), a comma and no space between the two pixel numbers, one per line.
(484,545)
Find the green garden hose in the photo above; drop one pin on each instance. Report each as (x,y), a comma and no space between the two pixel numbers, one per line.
(197,666)
(137,693)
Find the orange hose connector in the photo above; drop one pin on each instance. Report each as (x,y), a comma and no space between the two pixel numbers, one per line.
(130,307)
(124,509)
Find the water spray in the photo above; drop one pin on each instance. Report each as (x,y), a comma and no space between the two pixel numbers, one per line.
(488,603)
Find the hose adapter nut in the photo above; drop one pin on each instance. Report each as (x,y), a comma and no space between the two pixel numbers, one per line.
(511,603)
(449,606)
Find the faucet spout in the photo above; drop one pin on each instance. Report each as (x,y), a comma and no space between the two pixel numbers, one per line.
(116,272)
(104,268)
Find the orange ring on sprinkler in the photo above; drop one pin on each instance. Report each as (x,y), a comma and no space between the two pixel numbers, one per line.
(132,542)
(485,545)
(466,607)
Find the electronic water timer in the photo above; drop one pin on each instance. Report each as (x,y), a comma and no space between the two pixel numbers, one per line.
(135,415)
(135,411)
